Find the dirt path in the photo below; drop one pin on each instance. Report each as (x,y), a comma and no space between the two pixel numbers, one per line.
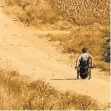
(22,48)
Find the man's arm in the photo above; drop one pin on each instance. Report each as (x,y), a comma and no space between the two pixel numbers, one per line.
(91,59)
(77,62)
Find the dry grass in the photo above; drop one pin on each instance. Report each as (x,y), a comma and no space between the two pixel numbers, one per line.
(32,13)
(94,37)
(84,11)
(48,11)
(18,93)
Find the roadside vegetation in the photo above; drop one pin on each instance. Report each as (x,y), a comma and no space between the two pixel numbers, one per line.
(19,93)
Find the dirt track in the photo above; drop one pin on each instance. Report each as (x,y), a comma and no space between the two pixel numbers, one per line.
(22,48)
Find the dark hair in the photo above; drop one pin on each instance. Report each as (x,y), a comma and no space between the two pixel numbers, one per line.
(84,50)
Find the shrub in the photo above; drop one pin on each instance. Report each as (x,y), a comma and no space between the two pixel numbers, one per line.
(19,93)
(32,12)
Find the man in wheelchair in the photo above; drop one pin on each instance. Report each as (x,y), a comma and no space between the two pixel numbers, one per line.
(85,65)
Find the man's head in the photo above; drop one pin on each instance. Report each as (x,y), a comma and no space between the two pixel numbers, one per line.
(84,50)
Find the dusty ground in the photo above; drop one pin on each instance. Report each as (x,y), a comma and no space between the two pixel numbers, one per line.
(23,49)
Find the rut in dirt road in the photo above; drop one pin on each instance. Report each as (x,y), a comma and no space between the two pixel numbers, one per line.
(22,48)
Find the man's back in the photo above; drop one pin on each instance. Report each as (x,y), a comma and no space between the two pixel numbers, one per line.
(84,57)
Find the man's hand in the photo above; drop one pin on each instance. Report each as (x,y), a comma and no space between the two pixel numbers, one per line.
(75,67)
(92,67)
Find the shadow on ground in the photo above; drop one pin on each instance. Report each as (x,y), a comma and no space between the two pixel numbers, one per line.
(65,79)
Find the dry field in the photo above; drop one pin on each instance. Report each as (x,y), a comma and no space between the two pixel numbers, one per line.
(84,12)
(76,11)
